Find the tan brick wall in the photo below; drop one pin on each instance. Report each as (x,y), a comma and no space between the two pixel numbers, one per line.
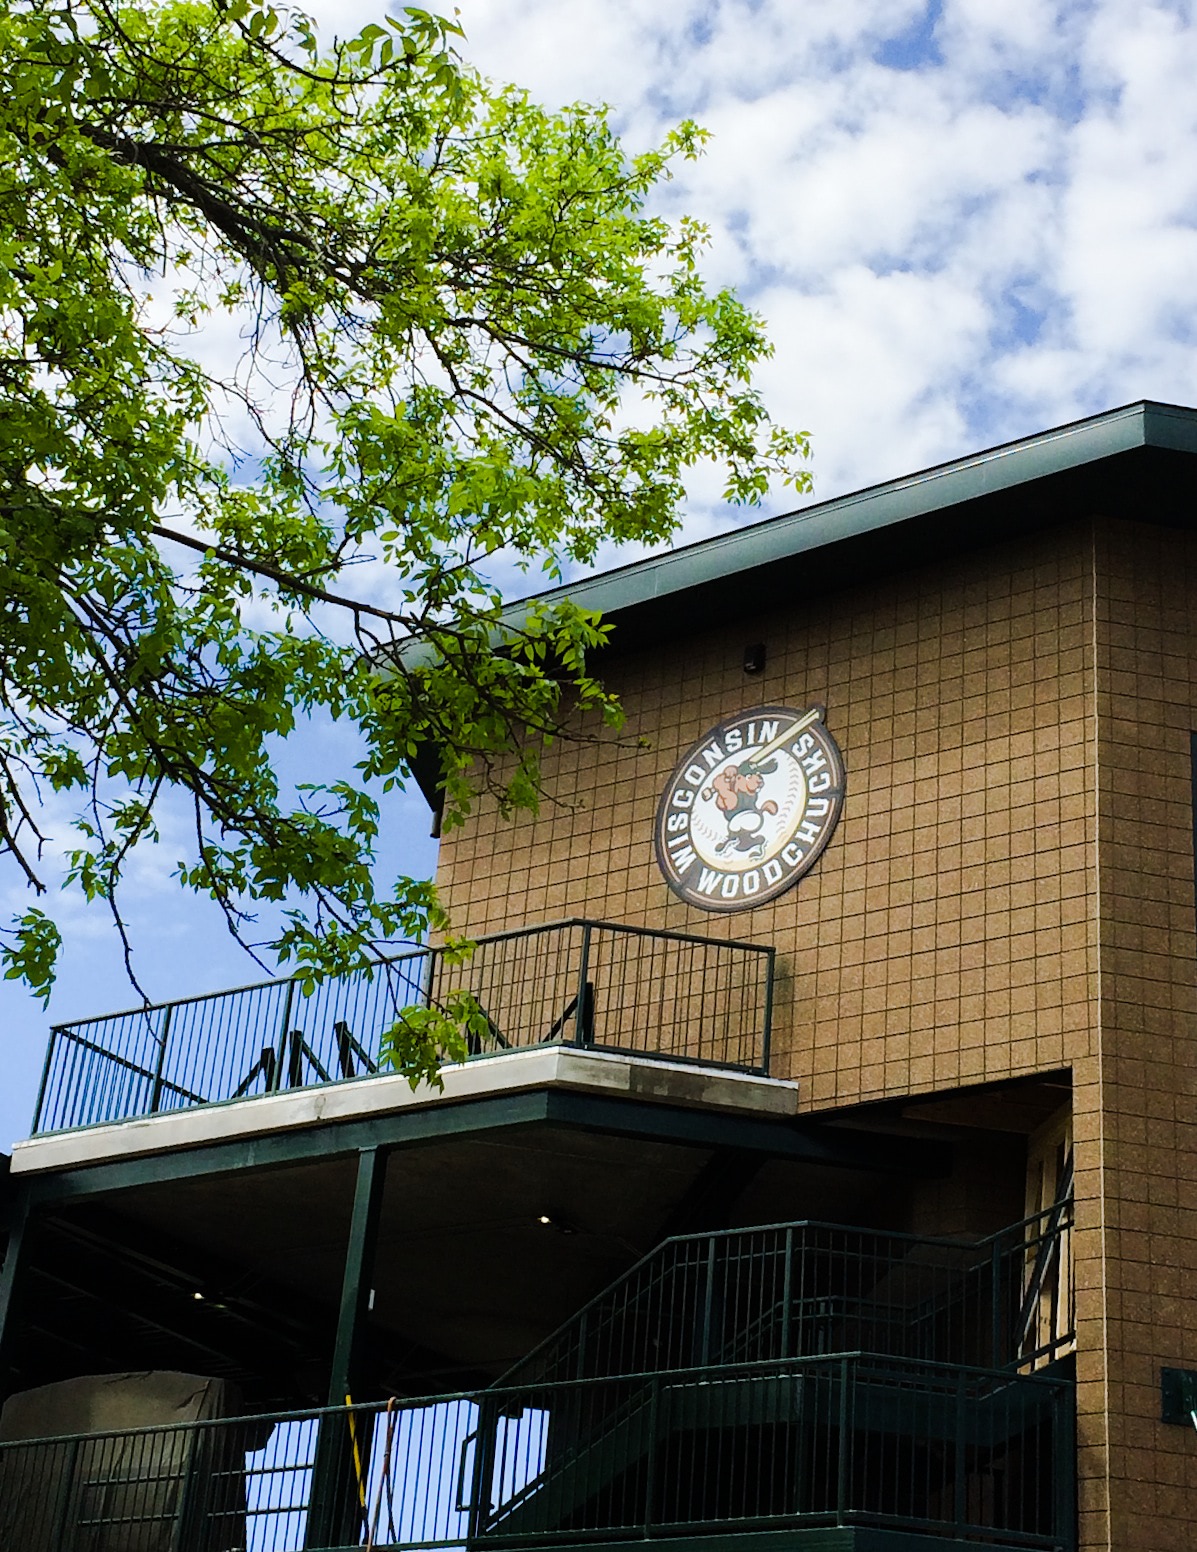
(945,936)
(996,714)
(1147,686)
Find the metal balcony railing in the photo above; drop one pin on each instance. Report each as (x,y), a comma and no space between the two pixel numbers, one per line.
(851,1439)
(798,1290)
(597,984)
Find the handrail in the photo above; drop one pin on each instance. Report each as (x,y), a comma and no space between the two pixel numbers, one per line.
(420,951)
(503,1395)
(614,986)
(822,1434)
(1018,1246)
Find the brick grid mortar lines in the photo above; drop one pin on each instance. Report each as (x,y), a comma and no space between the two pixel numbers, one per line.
(945,935)
(1011,889)
(950,933)
(1148,670)
(1094,1518)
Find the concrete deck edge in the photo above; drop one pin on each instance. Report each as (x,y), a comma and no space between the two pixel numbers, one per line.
(644,1078)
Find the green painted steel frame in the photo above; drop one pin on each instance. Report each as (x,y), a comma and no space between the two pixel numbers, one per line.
(375,1139)
(1145,424)
(359,1270)
(333,1466)
(797,1141)
(334,1515)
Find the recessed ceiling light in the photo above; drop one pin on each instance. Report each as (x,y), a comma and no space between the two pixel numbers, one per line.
(559,1225)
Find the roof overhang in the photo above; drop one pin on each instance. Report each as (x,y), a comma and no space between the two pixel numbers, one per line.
(1144,451)
(1141,457)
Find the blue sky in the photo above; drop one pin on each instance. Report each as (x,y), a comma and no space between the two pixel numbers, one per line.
(963,221)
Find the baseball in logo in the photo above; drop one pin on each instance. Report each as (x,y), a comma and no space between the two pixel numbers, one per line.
(749,808)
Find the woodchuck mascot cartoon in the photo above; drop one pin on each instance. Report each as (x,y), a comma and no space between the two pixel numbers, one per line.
(735,791)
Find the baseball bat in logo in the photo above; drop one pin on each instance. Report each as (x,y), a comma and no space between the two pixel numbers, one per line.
(749,808)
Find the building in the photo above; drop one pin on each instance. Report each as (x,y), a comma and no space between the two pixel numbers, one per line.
(825,1178)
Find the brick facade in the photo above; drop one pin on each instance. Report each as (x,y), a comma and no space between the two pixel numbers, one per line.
(1009,892)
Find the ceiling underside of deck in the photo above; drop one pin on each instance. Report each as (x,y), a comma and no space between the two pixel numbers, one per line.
(237,1272)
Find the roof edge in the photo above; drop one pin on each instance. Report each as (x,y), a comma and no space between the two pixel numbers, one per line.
(1144,423)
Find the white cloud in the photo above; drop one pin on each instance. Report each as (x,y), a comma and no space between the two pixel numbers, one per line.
(962,225)
(997,238)
(963,222)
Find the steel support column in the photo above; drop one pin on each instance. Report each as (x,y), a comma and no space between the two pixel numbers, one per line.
(8,1286)
(341,1462)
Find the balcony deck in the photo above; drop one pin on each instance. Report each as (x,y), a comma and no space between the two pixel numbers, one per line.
(551,1068)
(596,986)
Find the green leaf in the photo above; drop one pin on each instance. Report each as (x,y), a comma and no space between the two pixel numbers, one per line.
(359,210)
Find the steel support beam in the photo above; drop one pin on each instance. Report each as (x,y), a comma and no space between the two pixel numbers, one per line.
(708,1204)
(804,1141)
(359,1269)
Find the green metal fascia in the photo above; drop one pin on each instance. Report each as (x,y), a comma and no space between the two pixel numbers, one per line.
(390,1130)
(811,1538)
(881,506)
(656,1122)
(872,510)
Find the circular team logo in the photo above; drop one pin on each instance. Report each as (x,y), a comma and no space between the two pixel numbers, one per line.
(749,808)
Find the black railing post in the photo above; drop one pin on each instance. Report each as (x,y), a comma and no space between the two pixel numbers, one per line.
(787,1293)
(583,1333)
(959,1483)
(480,1506)
(43,1085)
(1064,1474)
(708,1308)
(995,1357)
(274,1079)
(68,1495)
(160,1061)
(584,1011)
(767,1031)
(428,975)
(295,1059)
(841,1486)
(650,1469)
(194,1504)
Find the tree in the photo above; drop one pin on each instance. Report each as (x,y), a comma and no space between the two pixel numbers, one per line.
(460,332)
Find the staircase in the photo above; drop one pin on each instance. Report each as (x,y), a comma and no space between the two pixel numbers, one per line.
(811,1385)
(805,1375)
